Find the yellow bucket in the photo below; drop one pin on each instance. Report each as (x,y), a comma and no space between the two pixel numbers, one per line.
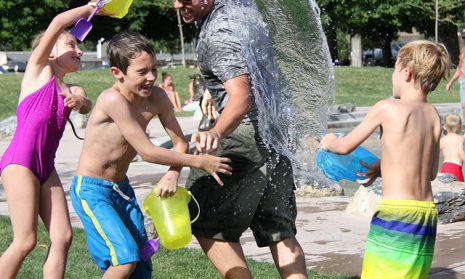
(171,217)
(116,8)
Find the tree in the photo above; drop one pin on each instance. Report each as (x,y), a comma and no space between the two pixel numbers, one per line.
(450,15)
(22,19)
(375,20)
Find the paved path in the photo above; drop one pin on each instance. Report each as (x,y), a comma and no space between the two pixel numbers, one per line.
(332,239)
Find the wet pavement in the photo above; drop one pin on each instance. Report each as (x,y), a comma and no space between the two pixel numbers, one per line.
(332,239)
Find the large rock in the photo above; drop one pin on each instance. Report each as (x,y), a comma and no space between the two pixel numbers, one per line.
(79,120)
(317,185)
(449,198)
(7,127)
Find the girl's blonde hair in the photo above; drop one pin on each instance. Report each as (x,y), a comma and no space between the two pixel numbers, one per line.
(39,36)
(428,61)
(453,123)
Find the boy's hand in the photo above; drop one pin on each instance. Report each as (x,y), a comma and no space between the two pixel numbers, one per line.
(373,172)
(327,141)
(205,142)
(214,165)
(166,187)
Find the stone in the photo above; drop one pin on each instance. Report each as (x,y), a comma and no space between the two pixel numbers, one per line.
(448,197)
(366,200)
(317,185)
(79,120)
(346,108)
(7,127)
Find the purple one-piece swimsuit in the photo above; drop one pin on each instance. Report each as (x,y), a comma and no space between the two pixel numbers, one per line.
(41,121)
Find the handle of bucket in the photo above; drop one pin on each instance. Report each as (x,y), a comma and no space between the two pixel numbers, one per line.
(98,5)
(198,206)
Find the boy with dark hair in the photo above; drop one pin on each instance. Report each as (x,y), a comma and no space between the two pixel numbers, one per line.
(101,193)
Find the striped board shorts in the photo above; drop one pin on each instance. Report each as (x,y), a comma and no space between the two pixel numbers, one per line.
(401,240)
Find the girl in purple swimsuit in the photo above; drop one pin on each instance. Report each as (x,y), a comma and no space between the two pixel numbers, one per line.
(29,178)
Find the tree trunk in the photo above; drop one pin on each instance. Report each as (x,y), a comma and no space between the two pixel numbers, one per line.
(331,37)
(448,36)
(356,50)
(387,52)
(181,35)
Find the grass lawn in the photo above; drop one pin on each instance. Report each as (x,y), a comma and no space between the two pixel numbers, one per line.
(361,86)
(367,85)
(167,264)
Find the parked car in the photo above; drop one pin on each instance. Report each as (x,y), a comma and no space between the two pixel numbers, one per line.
(15,66)
(374,57)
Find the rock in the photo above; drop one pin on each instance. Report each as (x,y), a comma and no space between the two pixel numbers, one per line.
(448,197)
(79,120)
(317,185)
(366,200)
(346,108)
(7,127)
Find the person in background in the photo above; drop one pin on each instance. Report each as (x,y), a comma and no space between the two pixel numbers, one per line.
(460,75)
(167,84)
(452,147)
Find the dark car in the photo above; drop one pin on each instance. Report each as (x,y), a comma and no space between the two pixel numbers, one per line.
(372,57)
(15,66)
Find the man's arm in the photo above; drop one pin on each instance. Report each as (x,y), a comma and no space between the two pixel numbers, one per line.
(237,106)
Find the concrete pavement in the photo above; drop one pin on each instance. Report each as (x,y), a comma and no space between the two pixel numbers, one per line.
(332,239)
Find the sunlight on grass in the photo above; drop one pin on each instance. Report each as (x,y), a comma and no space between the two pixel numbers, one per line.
(167,264)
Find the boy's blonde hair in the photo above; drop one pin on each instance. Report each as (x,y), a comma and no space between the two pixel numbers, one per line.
(428,61)
(453,123)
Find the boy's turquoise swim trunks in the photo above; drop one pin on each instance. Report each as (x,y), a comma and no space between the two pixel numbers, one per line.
(113,222)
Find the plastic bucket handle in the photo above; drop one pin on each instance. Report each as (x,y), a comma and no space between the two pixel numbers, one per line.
(198,206)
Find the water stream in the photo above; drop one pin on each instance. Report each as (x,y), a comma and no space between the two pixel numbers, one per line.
(292,76)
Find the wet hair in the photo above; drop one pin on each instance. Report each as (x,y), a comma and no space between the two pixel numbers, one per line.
(453,123)
(39,36)
(127,45)
(428,61)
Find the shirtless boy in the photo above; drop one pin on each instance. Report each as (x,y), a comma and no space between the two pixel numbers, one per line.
(401,240)
(101,193)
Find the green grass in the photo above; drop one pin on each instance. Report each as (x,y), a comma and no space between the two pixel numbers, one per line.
(365,86)
(361,86)
(167,264)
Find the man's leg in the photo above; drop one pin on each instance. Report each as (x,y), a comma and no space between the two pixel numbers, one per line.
(289,258)
(227,257)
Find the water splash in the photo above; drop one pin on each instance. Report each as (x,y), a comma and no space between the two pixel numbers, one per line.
(291,72)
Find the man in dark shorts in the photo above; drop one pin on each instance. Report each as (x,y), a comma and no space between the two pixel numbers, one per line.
(260,193)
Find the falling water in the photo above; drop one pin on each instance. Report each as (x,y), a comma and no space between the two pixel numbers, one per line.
(291,73)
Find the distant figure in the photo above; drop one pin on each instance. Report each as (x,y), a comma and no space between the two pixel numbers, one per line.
(460,75)
(29,177)
(402,235)
(452,147)
(101,193)
(196,90)
(168,85)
